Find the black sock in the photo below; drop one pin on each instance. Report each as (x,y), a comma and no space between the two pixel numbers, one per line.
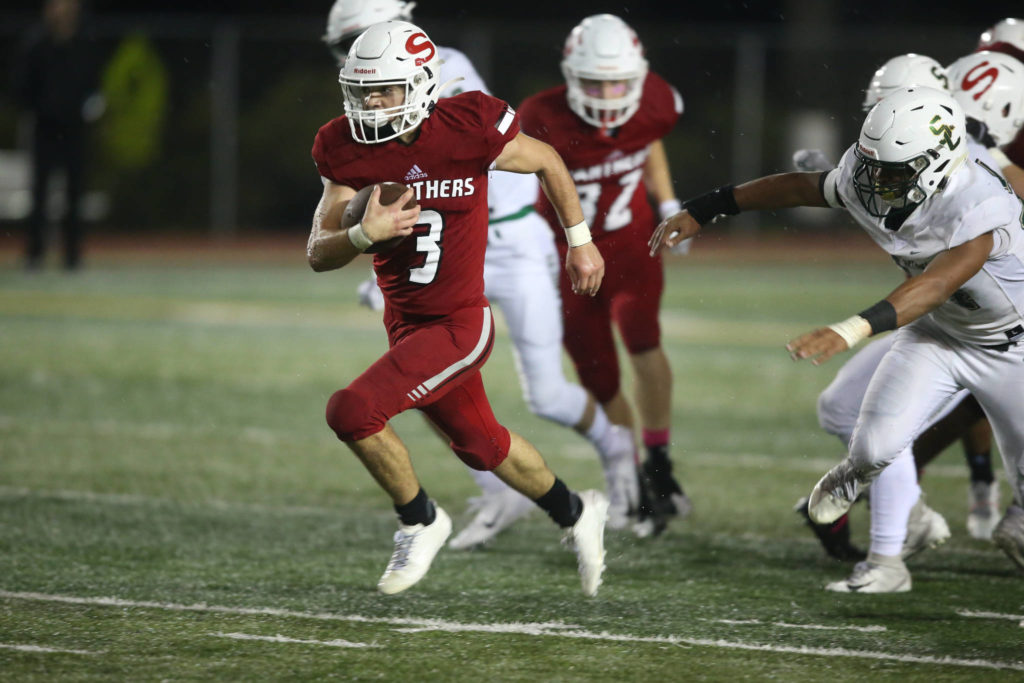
(561,504)
(981,466)
(419,510)
(658,458)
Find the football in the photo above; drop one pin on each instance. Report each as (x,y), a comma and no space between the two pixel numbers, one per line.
(389,192)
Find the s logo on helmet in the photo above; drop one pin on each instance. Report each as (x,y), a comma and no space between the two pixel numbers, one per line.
(414,48)
(970,80)
(946,131)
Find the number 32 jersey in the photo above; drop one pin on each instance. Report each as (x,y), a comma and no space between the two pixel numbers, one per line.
(439,268)
(607,168)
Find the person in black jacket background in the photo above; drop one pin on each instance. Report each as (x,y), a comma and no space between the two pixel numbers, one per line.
(55,78)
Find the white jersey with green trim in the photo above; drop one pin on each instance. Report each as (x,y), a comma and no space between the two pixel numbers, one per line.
(507,193)
(989,308)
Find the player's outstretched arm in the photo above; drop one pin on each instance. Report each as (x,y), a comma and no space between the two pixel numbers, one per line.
(331,247)
(523,154)
(915,297)
(781,191)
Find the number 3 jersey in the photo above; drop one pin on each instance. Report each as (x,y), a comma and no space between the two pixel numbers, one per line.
(439,268)
(607,166)
(989,308)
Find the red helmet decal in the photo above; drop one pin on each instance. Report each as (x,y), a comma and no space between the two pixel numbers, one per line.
(414,48)
(970,81)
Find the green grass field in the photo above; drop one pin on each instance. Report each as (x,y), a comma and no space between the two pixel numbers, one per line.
(173,505)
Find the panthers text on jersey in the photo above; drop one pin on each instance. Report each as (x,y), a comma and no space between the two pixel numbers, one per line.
(607,166)
(989,308)
(439,268)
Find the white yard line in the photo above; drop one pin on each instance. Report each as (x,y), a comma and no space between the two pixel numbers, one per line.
(990,615)
(285,639)
(810,627)
(537,629)
(46,650)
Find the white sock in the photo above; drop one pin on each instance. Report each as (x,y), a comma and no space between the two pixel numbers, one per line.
(599,427)
(893,494)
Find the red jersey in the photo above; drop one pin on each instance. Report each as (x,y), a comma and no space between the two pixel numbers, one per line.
(439,268)
(607,169)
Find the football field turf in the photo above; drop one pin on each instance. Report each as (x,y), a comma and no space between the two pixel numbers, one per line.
(173,505)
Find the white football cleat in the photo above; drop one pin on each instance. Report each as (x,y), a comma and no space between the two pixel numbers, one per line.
(1009,534)
(415,548)
(621,483)
(496,512)
(586,537)
(834,494)
(926,528)
(877,574)
(983,509)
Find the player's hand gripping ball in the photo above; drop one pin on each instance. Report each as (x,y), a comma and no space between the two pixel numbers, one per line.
(389,192)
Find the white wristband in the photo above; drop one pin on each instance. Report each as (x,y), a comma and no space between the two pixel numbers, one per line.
(578,234)
(999,157)
(853,330)
(669,207)
(358,238)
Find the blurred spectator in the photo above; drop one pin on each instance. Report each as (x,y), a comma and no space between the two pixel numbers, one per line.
(55,78)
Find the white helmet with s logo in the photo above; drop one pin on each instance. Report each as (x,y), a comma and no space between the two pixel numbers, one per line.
(391,53)
(990,88)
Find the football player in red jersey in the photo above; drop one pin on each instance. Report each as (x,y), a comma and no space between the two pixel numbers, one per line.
(607,123)
(438,321)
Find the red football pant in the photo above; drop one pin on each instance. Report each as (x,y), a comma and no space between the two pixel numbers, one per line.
(433,365)
(630,297)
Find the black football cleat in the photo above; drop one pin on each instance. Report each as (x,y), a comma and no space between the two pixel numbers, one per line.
(834,537)
(661,498)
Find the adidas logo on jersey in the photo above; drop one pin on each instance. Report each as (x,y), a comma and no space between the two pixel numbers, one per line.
(415,173)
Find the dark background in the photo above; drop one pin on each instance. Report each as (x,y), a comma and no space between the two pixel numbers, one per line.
(248,84)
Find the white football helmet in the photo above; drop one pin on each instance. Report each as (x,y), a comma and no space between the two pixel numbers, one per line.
(902,72)
(1008,31)
(348,18)
(990,88)
(390,53)
(604,48)
(910,143)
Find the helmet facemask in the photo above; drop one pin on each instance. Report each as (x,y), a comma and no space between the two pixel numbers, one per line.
(883,186)
(600,111)
(380,125)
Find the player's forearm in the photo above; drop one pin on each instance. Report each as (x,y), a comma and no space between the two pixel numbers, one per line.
(558,185)
(328,248)
(918,296)
(657,177)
